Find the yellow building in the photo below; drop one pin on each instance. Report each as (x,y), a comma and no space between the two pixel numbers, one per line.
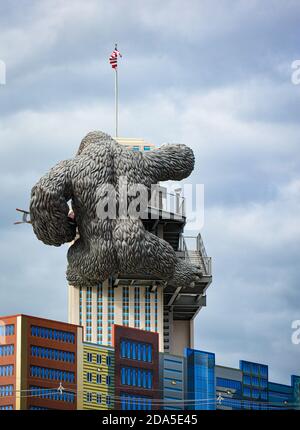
(97,378)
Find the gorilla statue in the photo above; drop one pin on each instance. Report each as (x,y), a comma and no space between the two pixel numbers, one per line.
(103,247)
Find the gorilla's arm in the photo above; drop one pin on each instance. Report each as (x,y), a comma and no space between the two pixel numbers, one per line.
(169,162)
(49,209)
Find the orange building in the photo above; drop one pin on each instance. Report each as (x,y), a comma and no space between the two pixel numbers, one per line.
(38,363)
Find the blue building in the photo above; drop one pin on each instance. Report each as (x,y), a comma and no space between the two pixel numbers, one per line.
(210,386)
(255,385)
(285,396)
(200,380)
(172,369)
(228,388)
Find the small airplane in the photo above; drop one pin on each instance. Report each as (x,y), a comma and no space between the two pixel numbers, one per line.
(25,217)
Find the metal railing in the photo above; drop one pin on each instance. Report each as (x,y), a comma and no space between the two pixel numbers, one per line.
(169,203)
(194,251)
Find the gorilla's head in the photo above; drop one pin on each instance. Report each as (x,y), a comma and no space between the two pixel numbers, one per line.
(95,137)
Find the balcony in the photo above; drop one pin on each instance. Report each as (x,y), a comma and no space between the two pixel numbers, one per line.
(164,205)
(192,249)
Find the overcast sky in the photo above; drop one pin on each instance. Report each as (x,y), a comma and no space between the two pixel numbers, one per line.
(215,75)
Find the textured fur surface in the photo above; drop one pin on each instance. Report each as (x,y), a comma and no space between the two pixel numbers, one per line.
(104,247)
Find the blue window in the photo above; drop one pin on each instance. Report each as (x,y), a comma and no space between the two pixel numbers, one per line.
(108,380)
(98,378)
(89,377)
(7,330)
(6,350)
(99,398)
(246,392)
(52,354)
(264,395)
(99,358)
(6,407)
(6,390)
(48,333)
(229,383)
(89,357)
(135,148)
(136,350)
(147,148)
(137,377)
(131,402)
(89,397)
(7,370)
(108,400)
(108,360)
(52,374)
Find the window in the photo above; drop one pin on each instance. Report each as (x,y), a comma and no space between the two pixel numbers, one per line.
(108,360)
(264,395)
(6,350)
(108,379)
(228,383)
(89,377)
(110,312)
(52,394)
(89,357)
(136,350)
(247,380)
(125,306)
(7,330)
(7,370)
(263,383)
(89,397)
(136,377)
(135,148)
(52,374)
(108,400)
(89,314)
(99,398)
(137,307)
(99,315)
(6,390)
(52,354)
(147,309)
(99,378)
(6,407)
(147,148)
(134,402)
(52,334)
(99,358)
(80,306)
(247,392)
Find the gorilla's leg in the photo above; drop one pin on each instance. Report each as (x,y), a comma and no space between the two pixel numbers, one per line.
(185,274)
(162,262)
(88,265)
(140,251)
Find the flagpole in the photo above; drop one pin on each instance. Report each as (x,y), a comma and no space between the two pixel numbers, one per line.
(116,96)
(116,99)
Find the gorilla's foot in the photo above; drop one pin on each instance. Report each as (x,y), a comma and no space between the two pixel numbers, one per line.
(77,280)
(185,275)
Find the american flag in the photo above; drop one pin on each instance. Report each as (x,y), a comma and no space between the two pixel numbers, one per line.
(113,59)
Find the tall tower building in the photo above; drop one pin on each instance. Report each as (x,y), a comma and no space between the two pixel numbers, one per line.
(141,301)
